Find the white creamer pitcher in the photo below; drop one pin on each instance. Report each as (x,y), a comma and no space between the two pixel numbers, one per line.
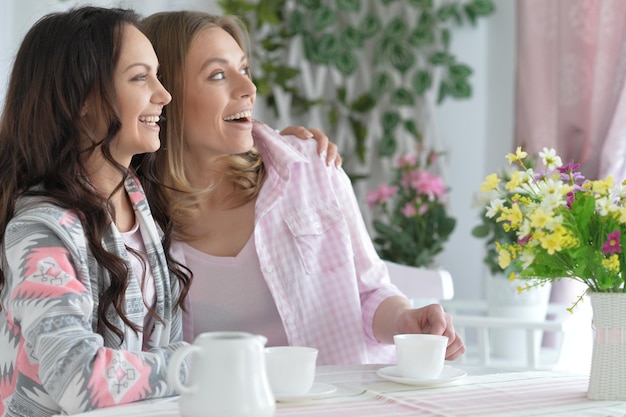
(227,377)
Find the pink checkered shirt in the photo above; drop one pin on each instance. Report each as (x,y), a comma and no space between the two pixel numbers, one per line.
(316,254)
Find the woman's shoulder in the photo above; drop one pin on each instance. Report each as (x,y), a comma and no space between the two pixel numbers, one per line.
(41,212)
(272,138)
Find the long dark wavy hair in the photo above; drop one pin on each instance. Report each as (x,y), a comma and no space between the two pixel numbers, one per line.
(64,60)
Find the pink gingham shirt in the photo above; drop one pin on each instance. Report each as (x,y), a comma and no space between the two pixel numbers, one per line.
(316,255)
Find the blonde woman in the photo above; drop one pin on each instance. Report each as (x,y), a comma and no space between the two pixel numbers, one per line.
(273,236)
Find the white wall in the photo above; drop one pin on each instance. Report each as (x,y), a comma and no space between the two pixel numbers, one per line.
(477,132)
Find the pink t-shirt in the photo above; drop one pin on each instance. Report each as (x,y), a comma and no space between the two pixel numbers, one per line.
(230,293)
(134,240)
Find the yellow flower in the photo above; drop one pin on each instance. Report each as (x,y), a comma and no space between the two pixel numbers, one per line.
(513,215)
(611,263)
(491,183)
(622,215)
(504,258)
(551,242)
(516,180)
(518,156)
(540,218)
(603,186)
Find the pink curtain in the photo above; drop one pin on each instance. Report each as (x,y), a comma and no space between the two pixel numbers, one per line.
(571,93)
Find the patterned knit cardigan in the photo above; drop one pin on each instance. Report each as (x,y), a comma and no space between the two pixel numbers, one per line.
(51,358)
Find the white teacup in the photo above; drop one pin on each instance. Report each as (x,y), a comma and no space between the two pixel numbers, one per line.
(420,356)
(290,369)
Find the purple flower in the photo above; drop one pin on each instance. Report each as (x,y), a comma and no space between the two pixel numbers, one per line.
(569,174)
(612,244)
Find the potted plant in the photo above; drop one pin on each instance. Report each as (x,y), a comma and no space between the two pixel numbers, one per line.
(568,227)
(411,222)
(505,295)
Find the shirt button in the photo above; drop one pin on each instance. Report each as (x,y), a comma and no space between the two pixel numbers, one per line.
(316,225)
(269,268)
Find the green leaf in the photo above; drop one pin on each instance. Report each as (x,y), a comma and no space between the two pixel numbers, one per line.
(445,38)
(360,133)
(268,14)
(402,57)
(390,120)
(422,81)
(263,86)
(370,26)
(443,92)
(483,7)
(411,127)
(310,47)
(382,50)
(323,18)
(402,97)
(422,36)
(341,95)
(351,38)
(333,116)
(352,6)
(387,146)
(298,23)
(381,83)
(327,48)
(459,71)
(426,20)
(461,89)
(346,62)
(363,104)
(396,29)
(422,4)
(310,4)
(446,11)
(441,58)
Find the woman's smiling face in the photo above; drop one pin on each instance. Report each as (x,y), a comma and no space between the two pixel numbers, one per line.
(219,96)
(140,97)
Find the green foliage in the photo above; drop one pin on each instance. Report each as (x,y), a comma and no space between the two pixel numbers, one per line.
(338,34)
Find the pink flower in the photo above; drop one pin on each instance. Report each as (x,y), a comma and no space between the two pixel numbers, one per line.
(612,244)
(409,210)
(381,195)
(407,160)
(429,184)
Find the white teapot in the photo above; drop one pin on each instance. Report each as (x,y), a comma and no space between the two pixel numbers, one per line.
(227,377)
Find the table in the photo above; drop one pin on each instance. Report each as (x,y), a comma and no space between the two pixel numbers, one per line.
(483,392)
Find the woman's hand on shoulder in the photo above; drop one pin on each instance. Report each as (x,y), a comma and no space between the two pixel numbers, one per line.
(325,148)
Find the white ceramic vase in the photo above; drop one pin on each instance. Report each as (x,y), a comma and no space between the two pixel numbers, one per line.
(607,379)
(504,300)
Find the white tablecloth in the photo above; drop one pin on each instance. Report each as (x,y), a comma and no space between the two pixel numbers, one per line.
(362,393)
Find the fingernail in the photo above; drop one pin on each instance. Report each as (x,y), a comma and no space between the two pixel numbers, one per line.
(323,155)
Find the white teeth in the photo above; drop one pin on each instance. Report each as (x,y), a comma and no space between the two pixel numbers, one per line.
(240,115)
(149,120)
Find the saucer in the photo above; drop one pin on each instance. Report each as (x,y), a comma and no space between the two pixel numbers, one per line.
(316,391)
(448,374)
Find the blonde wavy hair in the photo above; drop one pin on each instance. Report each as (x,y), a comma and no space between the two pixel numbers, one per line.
(163,173)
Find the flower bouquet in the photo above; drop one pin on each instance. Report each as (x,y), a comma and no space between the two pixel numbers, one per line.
(411,221)
(565,225)
(569,227)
